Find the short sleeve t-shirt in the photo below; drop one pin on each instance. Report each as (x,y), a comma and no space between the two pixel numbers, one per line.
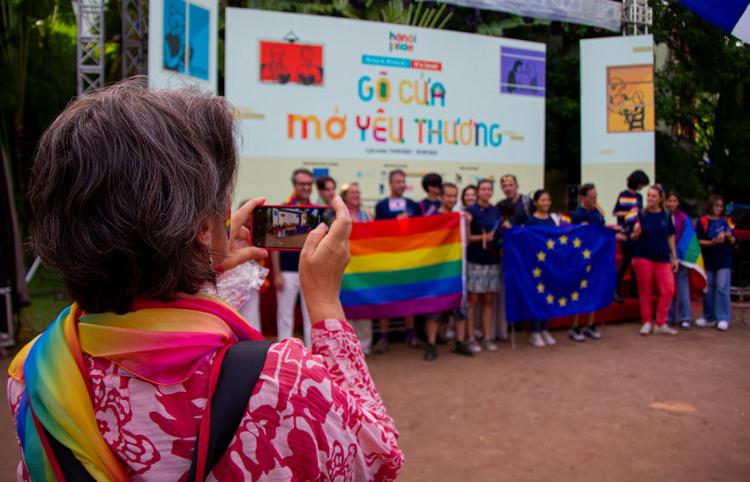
(583,215)
(653,243)
(719,256)
(626,201)
(535,221)
(392,207)
(485,219)
(428,207)
(515,211)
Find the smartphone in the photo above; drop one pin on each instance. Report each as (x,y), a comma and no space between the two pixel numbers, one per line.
(285,228)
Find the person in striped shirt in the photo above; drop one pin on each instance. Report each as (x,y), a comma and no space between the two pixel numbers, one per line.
(627,208)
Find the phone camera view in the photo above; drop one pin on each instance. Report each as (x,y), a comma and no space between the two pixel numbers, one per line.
(287,227)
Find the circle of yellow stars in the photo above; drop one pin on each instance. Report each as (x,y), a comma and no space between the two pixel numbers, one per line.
(541,257)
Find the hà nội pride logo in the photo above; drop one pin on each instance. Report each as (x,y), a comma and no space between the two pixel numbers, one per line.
(401,42)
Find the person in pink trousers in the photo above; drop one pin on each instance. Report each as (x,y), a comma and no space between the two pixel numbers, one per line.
(655,261)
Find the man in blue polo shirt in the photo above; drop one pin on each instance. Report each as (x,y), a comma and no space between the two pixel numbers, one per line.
(396,206)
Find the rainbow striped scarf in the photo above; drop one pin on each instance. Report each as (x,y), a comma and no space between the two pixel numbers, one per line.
(404,267)
(160,342)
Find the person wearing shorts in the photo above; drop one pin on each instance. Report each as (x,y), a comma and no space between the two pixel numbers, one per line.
(483,262)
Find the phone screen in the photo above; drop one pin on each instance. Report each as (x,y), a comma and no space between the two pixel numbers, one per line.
(287,227)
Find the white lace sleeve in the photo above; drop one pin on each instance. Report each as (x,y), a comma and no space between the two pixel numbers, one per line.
(235,285)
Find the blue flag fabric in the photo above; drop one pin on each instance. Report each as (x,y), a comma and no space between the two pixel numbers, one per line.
(557,271)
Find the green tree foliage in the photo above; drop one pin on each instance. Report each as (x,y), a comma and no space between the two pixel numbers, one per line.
(703,100)
(702,89)
(37,59)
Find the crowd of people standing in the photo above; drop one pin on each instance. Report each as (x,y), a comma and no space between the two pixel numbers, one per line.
(648,234)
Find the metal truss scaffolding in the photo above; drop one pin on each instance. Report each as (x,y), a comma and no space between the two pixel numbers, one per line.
(637,17)
(133,38)
(90,46)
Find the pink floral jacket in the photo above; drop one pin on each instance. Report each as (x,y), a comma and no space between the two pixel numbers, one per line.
(312,416)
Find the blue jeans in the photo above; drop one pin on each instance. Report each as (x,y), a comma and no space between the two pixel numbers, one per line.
(538,326)
(680,310)
(717,304)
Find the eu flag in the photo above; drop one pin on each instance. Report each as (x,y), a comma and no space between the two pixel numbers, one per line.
(557,271)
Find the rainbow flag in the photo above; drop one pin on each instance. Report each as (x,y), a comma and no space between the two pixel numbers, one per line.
(689,254)
(565,219)
(404,267)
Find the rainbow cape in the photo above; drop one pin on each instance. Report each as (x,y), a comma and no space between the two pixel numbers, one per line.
(161,342)
(689,254)
(404,267)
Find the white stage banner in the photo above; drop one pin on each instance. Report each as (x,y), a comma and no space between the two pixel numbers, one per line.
(598,13)
(355,99)
(617,112)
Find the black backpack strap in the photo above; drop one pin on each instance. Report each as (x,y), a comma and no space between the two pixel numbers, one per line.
(72,469)
(240,370)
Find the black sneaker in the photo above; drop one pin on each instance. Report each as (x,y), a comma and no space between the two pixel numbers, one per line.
(431,352)
(591,332)
(461,348)
(576,335)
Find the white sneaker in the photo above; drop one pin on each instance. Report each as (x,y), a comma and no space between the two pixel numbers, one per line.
(723,325)
(536,340)
(665,330)
(489,345)
(547,337)
(474,347)
(647,328)
(703,323)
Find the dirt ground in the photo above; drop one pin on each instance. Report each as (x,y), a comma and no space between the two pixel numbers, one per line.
(621,409)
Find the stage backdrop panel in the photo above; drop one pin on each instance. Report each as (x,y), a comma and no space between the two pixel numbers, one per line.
(183,44)
(617,113)
(355,99)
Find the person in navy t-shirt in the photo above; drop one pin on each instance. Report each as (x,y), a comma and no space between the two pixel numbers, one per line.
(587,212)
(396,206)
(654,262)
(432,184)
(540,335)
(716,238)
(627,208)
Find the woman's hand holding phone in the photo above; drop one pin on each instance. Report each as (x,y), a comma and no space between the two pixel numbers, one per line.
(323,260)
(241,249)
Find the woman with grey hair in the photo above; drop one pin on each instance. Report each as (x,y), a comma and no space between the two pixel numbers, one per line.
(143,376)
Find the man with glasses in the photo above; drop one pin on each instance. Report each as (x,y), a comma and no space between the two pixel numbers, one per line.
(286,265)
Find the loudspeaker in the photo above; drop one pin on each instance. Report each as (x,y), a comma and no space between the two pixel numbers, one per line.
(741,216)
(741,264)
(571,197)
